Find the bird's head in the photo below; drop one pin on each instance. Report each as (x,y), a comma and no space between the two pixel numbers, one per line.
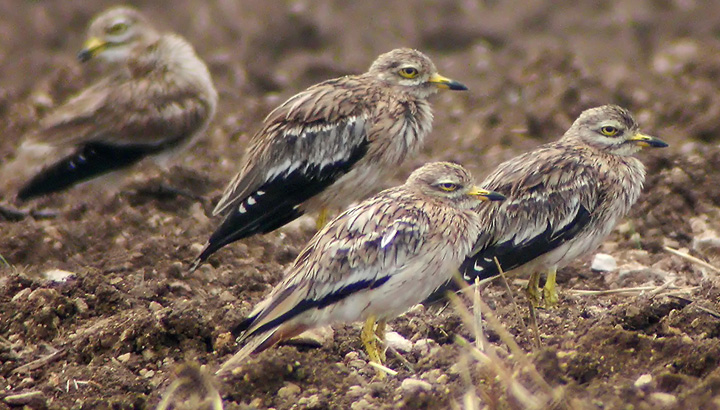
(611,129)
(115,33)
(450,183)
(411,71)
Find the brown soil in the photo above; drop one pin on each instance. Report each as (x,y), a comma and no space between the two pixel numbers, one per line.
(531,70)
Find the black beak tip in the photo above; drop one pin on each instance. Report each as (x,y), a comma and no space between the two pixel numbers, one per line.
(84,55)
(457,86)
(659,144)
(496,196)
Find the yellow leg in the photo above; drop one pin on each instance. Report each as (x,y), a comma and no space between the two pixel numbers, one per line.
(550,295)
(380,339)
(370,340)
(321,219)
(533,289)
(373,337)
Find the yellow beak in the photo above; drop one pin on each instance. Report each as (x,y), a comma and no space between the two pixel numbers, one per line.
(91,48)
(446,83)
(485,195)
(647,141)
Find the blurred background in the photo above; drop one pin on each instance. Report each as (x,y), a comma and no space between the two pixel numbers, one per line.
(531,67)
(130,313)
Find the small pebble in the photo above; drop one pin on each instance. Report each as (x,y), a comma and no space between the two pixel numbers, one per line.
(398,342)
(602,262)
(643,381)
(316,337)
(124,358)
(664,400)
(58,275)
(423,347)
(289,390)
(411,386)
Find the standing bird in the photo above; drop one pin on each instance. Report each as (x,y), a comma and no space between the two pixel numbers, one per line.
(329,146)
(157,98)
(564,198)
(373,262)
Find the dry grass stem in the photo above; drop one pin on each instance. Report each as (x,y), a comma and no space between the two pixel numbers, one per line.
(692,259)
(36,364)
(635,290)
(380,367)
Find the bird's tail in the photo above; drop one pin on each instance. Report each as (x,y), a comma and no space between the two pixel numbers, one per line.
(257,342)
(85,163)
(238,225)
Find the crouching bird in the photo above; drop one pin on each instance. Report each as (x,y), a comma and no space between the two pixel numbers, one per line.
(329,146)
(373,262)
(564,198)
(156,98)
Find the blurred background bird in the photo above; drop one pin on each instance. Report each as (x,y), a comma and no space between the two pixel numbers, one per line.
(156,98)
(564,198)
(192,389)
(330,145)
(373,262)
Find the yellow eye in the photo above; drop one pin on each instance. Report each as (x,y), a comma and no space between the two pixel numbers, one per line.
(609,131)
(408,72)
(448,186)
(117,28)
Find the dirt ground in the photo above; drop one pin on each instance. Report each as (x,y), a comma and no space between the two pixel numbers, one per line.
(111,335)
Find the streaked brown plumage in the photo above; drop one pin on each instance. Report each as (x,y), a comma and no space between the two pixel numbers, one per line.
(374,261)
(330,145)
(564,198)
(157,98)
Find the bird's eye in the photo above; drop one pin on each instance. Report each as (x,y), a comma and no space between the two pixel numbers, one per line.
(117,28)
(448,186)
(408,72)
(609,131)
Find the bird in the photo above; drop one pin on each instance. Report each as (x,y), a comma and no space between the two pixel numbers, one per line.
(564,199)
(156,98)
(372,262)
(192,389)
(330,145)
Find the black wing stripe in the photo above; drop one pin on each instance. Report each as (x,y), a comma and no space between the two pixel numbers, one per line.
(278,201)
(308,304)
(89,161)
(511,256)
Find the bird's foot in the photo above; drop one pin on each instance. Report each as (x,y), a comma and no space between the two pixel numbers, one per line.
(369,336)
(532,291)
(550,294)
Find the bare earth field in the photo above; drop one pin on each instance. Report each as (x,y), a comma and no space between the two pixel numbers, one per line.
(111,335)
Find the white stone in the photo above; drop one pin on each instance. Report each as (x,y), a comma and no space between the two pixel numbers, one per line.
(289,390)
(643,381)
(316,337)
(602,262)
(398,342)
(58,275)
(415,386)
(664,400)
(424,347)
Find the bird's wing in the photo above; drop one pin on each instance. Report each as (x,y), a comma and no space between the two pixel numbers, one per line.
(307,144)
(113,124)
(148,112)
(551,199)
(311,139)
(360,250)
